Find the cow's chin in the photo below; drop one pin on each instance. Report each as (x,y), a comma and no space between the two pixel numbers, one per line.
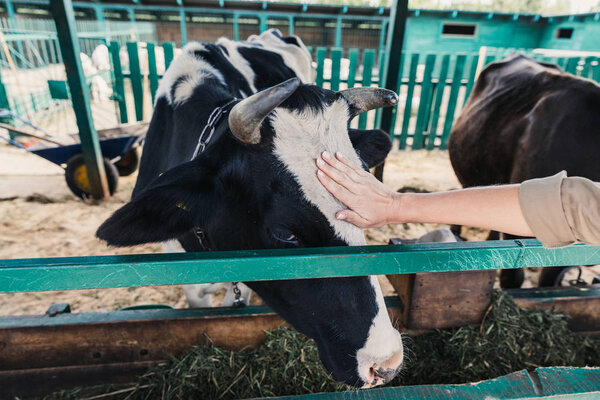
(349,322)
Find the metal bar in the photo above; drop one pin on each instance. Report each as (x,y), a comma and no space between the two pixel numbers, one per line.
(236,27)
(393,65)
(262,20)
(556,383)
(338,32)
(182,26)
(119,84)
(454,89)
(424,102)
(439,94)
(291,25)
(40,274)
(220,11)
(412,77)
(152,73)
(62,12)
(368,59)
(136,79)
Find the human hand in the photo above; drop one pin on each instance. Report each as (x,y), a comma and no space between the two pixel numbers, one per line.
(370,203)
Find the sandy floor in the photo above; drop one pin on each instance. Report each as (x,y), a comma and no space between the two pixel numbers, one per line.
(57,224)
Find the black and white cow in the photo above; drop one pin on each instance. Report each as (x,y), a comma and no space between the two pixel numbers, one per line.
(255,187)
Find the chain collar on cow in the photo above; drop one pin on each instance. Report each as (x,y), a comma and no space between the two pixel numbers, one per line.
(212,125)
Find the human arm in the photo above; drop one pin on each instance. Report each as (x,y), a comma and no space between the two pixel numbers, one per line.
(371,204)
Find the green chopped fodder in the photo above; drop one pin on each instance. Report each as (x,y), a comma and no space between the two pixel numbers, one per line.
(509,339)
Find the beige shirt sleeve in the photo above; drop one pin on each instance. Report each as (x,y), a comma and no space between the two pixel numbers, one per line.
(562,210)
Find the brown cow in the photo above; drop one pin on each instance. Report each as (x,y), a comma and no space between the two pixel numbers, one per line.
(526,120)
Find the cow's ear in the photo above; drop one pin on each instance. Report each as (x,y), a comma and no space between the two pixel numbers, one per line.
(372,146)
(176,202)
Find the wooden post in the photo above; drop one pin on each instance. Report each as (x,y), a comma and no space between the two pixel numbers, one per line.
(391,78)
(62,12)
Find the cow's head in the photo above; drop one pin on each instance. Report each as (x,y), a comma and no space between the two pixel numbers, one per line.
(256,187)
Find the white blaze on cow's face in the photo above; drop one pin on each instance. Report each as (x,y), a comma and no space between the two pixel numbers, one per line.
(300,137)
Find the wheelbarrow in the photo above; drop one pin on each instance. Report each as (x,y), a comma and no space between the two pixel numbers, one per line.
(120,148)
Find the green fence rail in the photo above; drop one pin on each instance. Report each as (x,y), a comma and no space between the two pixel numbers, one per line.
(24,275)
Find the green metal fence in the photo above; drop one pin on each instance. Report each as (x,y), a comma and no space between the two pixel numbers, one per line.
(433,87)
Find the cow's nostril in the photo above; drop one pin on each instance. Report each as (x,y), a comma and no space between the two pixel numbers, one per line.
(386,371)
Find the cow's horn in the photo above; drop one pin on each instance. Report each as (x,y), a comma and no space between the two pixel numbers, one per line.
(247,116)
(363,99)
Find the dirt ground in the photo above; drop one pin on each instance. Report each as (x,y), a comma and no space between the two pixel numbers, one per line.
(39,217)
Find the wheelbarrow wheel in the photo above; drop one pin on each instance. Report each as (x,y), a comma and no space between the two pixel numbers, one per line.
(129,163)
(77,179)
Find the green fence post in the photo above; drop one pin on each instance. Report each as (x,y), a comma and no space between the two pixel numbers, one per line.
(338,32)
(169,51)
(135,75)
(353,56)
(152,73)
(62,12)
(368,59)
(131,12)
(391,74)
(424,102)
(4,100)
(471,78)
(382,34)
(439,95)
(410,89)
(236,27)
(182,26)
(454,89)
(336,64)
(262,20)
(290,25)
(119,84)
(572,63)
(380,73)
(321,54)
(596,70)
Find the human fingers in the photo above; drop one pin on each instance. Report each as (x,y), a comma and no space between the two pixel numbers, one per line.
(337,190)
(353,217)
(349,164)
(347,168)
(337,175)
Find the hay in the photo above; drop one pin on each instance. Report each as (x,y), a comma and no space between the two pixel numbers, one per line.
(509,339)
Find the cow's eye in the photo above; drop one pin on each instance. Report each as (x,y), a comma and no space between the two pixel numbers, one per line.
(285,236)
